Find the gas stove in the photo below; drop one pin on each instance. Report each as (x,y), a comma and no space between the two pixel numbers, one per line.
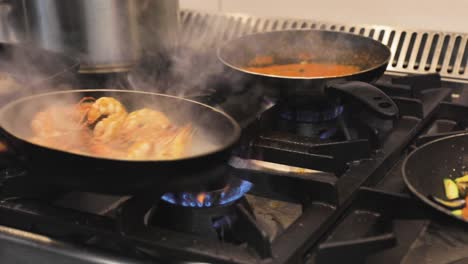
(316,185)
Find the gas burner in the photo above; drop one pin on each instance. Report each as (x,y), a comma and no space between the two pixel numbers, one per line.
(312,115)
(233,223)
(234,190)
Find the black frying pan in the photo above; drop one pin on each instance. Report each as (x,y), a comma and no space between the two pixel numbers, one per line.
(426,167)
(286,47)
(216,133)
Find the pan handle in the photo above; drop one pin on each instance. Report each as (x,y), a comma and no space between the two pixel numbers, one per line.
(367,94)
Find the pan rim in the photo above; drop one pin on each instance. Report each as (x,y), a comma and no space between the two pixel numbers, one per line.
(329,77)
(413,189)
(232,140)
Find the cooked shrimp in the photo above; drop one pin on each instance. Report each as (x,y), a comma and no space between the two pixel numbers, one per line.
(179,145)
(167,144)
(106,129)
(105,106)
(71,140)
(83,107)
(103,127)
(114,113)
(106,150)
(54,121)
(142,145)
(145,118)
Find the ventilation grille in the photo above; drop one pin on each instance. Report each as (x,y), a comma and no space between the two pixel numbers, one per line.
(412,51)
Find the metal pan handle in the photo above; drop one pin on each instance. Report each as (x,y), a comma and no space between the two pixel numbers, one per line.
(368,95)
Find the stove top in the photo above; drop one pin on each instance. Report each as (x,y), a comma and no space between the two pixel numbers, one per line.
(292,198)
(319,185)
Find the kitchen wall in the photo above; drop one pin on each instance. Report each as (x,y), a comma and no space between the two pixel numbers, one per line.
(446,15)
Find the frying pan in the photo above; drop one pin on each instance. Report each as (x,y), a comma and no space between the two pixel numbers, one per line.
(215,135)
(426,167)
(286,47)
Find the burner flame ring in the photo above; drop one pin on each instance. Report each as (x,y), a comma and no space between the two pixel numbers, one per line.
(231,193)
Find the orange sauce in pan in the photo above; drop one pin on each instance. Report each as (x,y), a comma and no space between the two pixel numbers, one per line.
(305,69)
(265,65)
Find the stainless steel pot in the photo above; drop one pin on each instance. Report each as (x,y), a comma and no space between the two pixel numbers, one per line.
(107,36)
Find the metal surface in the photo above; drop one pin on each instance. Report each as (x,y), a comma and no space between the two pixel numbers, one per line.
(413,51)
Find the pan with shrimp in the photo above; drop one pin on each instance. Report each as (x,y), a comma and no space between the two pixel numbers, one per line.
(118,141)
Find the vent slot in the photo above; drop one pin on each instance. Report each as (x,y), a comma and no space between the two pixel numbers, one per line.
(371,33)
(265,26)
(313,26)
(237,28)
(464,62)
(352,29)
(409,52)
(195,26)
(422,45)
(435,40)
(228,32)
(285,24)
(453,57)
(342,28)
(275,25)
(255,27)
(294,25)
(381,35)
(362,31)
(247,28)
(186,17)
(333,27)
(443,51)
(390,39)
(398,49)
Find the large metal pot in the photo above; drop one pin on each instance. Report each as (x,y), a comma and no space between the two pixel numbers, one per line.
(107,36)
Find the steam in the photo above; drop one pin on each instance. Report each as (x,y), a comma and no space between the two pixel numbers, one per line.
(185,69)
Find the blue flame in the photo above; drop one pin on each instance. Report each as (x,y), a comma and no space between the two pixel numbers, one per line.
(234,194)
(328,134)
(222,197)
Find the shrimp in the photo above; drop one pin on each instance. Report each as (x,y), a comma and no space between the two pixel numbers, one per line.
(142,144)
(54,121)
(179,145)
(71,140)
(105,106)
(106,150)
(145,118)
(114,114)
(83,107)
(103,127)
(166,144)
